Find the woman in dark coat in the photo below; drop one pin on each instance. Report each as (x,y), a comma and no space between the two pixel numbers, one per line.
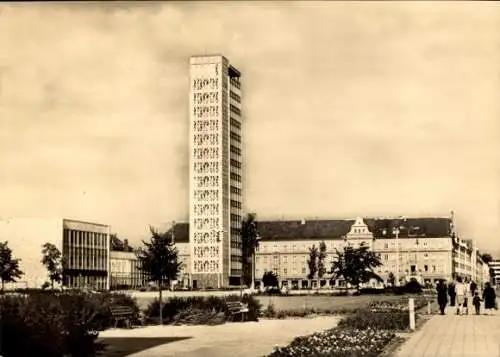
(489,298)
(442,295)
(452,293)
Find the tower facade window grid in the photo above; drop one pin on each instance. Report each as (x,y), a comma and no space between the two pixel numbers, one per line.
(215,171)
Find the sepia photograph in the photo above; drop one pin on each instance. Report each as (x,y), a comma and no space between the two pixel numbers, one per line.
(250,179)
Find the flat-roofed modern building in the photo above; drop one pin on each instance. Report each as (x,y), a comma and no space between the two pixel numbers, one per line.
(215,168)
(85,247)
(125,272)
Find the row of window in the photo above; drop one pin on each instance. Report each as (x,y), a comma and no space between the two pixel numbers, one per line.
(206,181)
(205,83)
(237,245)
(235,163)
(206,111)
(235,150)
(236,190)
(235,136)
(236,258)
(235,96)
(206,98)
(235,123)
(235,177)
(206,266)
(203,252)
(235,83)
(235,204)
(83,238)
(206,223)
(234,109)
(203,208)
(206,153)
(205,125)
(206,139)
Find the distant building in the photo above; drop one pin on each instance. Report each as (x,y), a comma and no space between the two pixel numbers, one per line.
(215,171)
(85,247)
(125,272)
(425,249)
(495,266)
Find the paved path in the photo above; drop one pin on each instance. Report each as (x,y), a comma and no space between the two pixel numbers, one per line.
(249,339)
(455,336)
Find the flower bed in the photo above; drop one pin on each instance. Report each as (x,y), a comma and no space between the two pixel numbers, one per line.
(364,333)
(339,343)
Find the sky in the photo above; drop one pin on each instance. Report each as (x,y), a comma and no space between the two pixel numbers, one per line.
(350,109)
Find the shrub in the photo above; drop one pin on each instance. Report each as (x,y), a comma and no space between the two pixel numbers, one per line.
(413,287)
(387,320)
(49,325)
(175,305)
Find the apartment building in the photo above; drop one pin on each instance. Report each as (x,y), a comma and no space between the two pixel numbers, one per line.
(495,266)
(426,249)
(215,171)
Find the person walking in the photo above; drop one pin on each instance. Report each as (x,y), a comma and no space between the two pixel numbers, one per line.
(476,301)
(473,288)
(461,291)
(452,293)
(442,295)
(489,298)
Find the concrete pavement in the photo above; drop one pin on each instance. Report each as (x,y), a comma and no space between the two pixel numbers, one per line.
(454,335)
(248,339)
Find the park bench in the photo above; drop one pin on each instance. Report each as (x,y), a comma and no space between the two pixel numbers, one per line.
(122,313)
(236,308)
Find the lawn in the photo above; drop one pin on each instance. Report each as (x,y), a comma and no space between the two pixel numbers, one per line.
(298,303)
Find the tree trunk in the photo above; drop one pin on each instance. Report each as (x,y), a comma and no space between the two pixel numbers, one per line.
(253,272)
(161,304)
(52,283)
(3,284)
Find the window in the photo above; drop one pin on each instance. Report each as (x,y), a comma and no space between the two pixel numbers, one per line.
(426,255)
(433,268)
(285,271)
(426,267)
(386,256)
(386,245)
(303,270)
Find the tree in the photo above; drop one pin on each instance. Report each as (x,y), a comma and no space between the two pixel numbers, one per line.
(118,245)
(53,262)
(312,263)
(158,260)
(9,267)
(321,260)
(487,258)
(250,242)
(355,265)
(270,279)
(391,278)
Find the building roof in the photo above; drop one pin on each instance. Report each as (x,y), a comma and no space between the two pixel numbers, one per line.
(336,229)
(431,227)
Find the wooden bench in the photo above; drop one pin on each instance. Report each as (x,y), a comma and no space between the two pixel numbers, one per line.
(237,307)
(122,313)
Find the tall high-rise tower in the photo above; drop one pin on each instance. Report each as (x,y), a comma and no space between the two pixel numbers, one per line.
(216,197)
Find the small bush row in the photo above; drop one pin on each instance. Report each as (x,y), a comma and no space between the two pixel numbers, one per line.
(181,305)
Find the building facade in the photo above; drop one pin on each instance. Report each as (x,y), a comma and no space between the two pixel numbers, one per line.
(425,249)
(495,267)
(215,169)
(125,272)
(84,246)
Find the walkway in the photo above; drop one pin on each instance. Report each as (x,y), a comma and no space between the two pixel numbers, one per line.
(455,336)
(249,339)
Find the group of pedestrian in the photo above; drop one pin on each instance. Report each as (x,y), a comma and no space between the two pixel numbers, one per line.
(461,293)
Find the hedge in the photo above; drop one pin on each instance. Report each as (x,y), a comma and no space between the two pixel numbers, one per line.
(56,324)
(177,305)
